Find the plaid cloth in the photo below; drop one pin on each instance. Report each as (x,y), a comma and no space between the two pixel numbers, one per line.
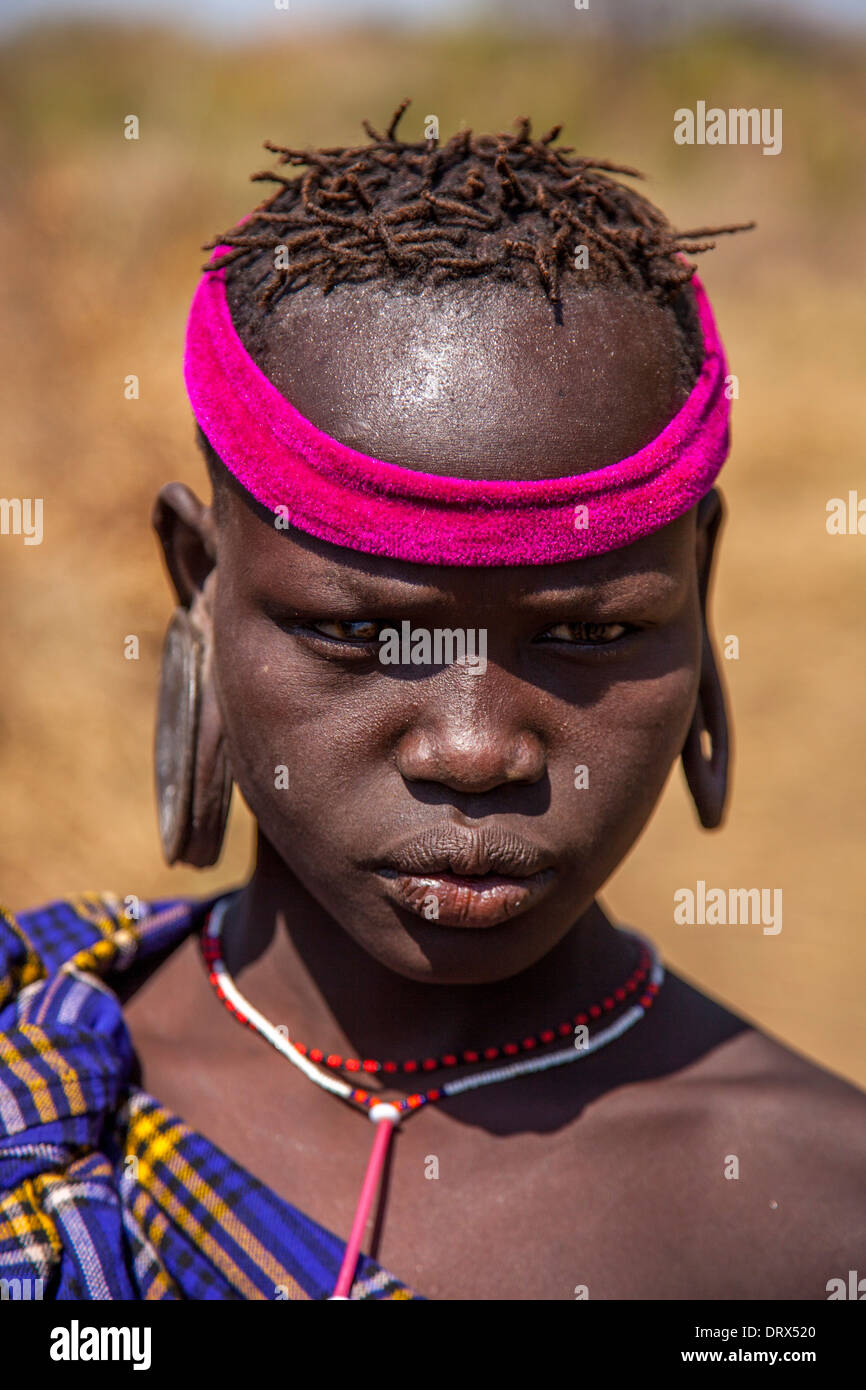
(103,1192)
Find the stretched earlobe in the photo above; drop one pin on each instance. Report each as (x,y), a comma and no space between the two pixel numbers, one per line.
(193,777)
(706,769)
(707,776)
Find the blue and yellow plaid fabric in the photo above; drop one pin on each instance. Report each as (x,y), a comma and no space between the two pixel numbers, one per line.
(104,1194)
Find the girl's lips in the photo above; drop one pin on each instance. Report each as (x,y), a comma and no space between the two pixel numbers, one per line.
(459,900)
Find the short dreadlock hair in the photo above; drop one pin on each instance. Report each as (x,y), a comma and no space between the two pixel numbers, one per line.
(507,207)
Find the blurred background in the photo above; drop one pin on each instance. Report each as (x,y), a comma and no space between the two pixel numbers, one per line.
(100,241)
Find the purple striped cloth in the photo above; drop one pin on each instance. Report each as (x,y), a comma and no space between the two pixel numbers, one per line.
(104,1193)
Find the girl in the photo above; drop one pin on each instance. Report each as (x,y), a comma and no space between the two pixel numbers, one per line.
(463,404)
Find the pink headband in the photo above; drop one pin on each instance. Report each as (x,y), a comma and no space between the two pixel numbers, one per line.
(340,495)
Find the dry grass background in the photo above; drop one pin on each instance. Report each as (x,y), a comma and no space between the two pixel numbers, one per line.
(100,246)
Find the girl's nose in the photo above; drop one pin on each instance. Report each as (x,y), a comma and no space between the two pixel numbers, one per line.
(472,735)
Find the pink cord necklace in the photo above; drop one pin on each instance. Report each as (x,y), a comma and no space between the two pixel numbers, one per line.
(387,1115)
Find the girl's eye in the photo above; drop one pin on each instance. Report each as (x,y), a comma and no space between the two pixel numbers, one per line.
(348,630)
(588,634)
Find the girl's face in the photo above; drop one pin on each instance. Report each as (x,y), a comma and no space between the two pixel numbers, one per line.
(454,821)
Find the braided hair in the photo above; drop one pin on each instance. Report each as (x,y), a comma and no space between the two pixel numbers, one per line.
(508,207)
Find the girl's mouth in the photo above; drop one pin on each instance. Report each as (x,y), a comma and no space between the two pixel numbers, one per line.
(465,900)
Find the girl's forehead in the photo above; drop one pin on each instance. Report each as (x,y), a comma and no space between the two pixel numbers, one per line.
(288,566)
(483,380)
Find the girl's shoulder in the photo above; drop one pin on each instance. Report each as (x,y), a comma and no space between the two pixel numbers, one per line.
(781,1141)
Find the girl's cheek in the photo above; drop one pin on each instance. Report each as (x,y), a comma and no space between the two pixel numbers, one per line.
(626,743)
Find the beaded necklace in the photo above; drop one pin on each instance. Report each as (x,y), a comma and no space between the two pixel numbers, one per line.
(386,1115)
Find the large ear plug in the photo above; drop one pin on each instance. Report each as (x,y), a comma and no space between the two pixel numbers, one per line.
(193,778)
